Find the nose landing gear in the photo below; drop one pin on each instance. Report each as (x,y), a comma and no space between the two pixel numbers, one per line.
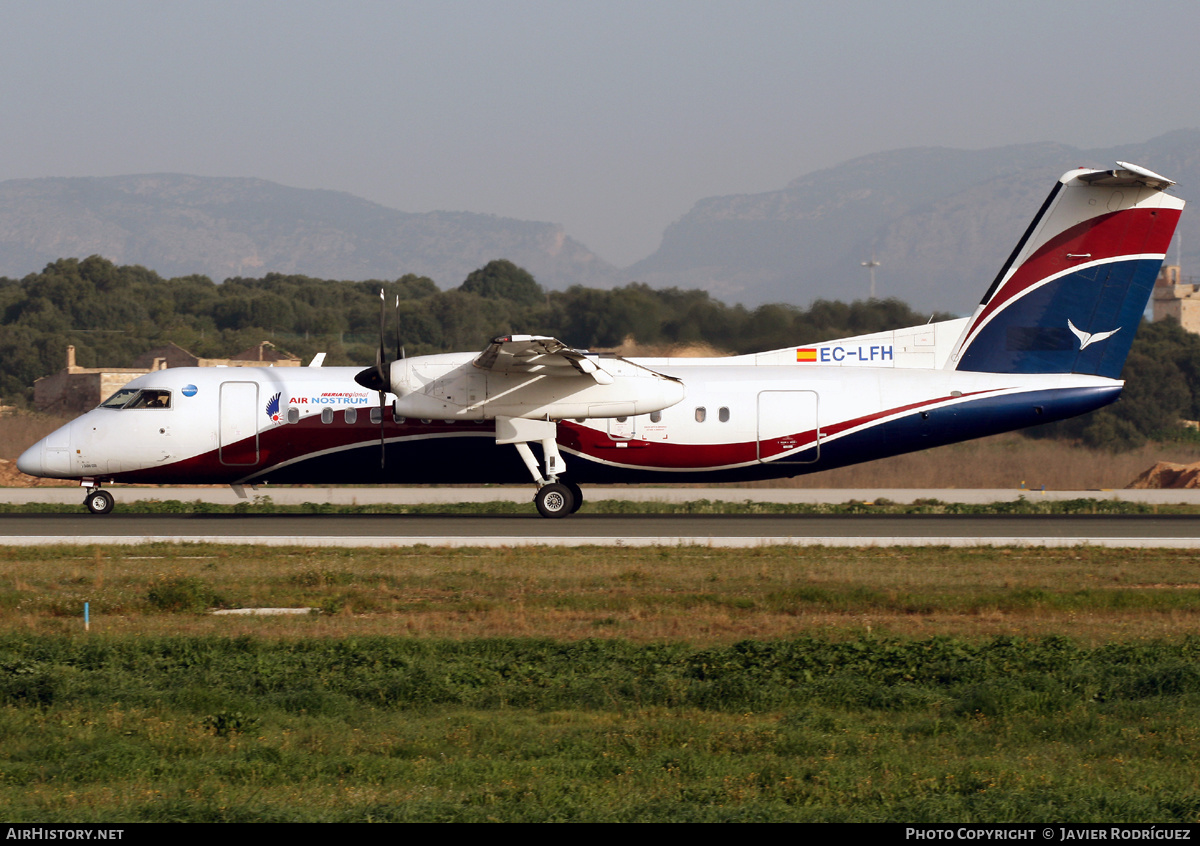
(99,501)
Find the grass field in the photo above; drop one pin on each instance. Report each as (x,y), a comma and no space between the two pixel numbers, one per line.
(600,684)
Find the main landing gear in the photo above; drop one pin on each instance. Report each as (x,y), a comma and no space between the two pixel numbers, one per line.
(99,501)
(558,499)
(554,497)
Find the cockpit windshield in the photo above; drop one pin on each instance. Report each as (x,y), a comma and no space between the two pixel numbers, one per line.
(133,398)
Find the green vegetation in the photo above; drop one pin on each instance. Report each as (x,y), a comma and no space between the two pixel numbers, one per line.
(612,684)
(112,314)
(394,729)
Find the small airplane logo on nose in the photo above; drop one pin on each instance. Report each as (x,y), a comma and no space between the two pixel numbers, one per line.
(1086,339)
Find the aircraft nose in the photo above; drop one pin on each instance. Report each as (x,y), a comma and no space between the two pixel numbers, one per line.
(50,457)
(30,461)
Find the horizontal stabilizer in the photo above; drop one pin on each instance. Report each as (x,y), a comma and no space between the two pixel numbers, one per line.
(1129,176)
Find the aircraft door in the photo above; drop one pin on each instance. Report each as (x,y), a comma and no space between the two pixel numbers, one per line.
(239,423)
(788,431)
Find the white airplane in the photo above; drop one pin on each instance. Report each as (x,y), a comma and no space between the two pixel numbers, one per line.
(1048,341)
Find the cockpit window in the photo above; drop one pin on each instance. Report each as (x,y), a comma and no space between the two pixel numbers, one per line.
(151,398)
(119,399)
(132,398)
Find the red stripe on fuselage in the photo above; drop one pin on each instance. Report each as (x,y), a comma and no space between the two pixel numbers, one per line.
(660,455)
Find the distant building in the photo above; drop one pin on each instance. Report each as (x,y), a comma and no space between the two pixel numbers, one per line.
(1176,298)
(172,355)
(75,389)
(262,354)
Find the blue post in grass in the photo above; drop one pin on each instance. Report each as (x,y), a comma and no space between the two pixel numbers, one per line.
(87,625)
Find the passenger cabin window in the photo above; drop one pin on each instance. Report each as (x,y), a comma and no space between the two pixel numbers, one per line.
(293,415)
(351,415)
(723,414)
(326,415)
(133,398)
(376,415)
(701,414)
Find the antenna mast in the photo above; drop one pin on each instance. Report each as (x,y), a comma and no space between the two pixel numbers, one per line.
(871,265)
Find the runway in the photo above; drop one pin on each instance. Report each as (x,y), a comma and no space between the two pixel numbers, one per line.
(373,530)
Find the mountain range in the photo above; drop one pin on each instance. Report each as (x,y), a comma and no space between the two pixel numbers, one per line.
(939,221)
(225,227)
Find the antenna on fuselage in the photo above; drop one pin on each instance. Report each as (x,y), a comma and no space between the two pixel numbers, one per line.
(399,346)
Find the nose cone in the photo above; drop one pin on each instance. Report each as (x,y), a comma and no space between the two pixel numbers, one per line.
(30,462)
(50,457)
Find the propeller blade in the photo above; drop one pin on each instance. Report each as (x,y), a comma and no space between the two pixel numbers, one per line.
(382,434)
(380,354)
(399,348)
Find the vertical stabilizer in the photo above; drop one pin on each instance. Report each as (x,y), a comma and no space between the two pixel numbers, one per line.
(1071,295)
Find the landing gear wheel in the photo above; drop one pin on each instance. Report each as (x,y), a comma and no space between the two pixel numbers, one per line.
(576,495)
(554,500)
(99,502)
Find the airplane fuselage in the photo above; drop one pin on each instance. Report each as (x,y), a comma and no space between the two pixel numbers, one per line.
(736,421)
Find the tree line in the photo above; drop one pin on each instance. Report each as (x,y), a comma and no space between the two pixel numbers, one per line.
(111,314)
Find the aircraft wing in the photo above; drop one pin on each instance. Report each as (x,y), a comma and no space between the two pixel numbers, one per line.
(542,355)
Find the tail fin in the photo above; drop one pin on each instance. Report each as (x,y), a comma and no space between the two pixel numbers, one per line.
(1071,295)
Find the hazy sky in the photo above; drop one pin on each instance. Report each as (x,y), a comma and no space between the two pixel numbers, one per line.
(611,118)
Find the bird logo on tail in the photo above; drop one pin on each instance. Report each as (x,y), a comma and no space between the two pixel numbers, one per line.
(1086,339)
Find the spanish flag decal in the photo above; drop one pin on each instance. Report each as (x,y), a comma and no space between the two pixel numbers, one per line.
(806,354)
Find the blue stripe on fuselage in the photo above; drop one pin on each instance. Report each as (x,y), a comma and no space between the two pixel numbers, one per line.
(965,421)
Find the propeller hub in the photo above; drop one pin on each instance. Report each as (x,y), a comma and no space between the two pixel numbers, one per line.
(371,379)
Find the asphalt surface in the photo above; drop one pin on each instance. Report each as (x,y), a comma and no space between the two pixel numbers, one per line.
(587,529)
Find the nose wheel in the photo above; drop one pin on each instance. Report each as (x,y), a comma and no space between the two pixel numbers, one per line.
(99,502)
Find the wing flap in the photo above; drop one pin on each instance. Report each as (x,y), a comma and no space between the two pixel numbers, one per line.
(539,354)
